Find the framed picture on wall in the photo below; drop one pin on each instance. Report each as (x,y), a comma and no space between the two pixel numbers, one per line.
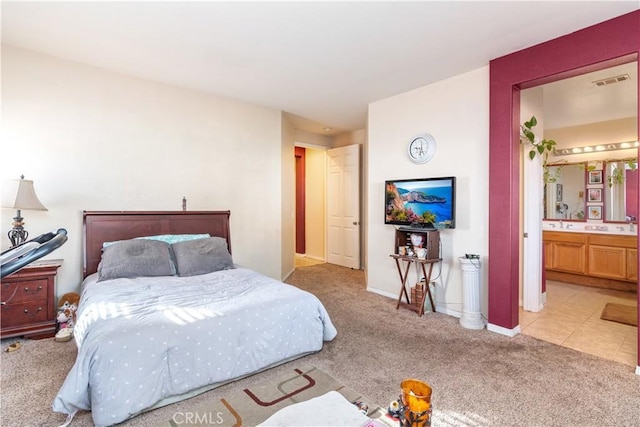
(558,192)
(595,212)
(594,194)
(595,177)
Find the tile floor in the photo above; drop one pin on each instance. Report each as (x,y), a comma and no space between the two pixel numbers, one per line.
(303,261)
(571,318)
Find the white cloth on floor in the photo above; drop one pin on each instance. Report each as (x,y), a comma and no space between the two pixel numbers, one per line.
(328,410)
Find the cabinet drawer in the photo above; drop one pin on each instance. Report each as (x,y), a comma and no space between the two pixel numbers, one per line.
(24,313)
(30,290)
(561,236)
(611,240)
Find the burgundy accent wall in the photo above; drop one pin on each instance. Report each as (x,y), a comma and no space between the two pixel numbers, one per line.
(603,45)
(300,200)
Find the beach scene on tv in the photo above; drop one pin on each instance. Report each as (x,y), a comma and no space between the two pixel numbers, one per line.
(425,203)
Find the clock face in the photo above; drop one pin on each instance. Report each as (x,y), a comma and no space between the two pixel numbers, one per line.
(422,148)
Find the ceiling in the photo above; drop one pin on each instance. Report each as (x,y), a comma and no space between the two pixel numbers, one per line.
(320,62)
(578,100)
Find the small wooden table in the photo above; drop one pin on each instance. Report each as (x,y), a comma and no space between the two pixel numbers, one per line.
(409,260)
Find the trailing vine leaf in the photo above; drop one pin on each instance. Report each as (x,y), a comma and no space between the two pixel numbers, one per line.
(541,148)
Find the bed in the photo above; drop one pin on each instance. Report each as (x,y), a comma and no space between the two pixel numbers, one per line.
(166,335)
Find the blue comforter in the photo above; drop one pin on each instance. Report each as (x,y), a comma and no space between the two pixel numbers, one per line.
(143,340)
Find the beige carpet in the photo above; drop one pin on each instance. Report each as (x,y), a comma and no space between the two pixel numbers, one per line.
(479,378)
(620,313)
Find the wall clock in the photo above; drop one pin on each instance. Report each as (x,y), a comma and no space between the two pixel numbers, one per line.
(422,148)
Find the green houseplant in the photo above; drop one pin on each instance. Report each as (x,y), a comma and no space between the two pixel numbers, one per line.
(536,146)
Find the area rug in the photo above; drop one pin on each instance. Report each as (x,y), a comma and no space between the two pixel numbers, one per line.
(620,313)
(253,405)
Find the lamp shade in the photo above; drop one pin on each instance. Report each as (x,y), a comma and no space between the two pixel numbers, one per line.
(20,194)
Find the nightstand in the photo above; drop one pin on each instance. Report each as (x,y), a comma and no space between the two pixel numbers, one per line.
(28,301)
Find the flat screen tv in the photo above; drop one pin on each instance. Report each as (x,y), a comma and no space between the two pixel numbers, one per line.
(421,203)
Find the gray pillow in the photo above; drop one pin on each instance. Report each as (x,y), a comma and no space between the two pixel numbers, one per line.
(201,256)
(136,258)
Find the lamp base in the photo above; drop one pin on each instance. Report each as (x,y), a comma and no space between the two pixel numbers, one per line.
(18,235)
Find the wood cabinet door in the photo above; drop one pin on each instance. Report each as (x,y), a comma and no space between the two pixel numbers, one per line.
(568,257)
(608,261)
(632,264)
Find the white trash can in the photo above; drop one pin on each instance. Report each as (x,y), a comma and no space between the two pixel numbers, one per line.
(471,315)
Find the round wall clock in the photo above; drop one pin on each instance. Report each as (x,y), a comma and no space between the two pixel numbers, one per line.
(422,148)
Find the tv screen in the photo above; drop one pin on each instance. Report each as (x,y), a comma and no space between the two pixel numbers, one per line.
(422,202)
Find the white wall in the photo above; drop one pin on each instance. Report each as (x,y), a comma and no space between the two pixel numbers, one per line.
(96,140)
(456,112)
(288,198)
(315,206)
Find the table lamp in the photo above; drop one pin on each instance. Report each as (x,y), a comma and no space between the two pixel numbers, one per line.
(416,403)
(19,194)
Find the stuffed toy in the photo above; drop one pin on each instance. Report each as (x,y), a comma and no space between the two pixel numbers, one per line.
(66,317)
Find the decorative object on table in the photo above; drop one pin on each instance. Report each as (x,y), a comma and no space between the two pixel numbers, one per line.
(415,403)
(19,194)
(416,240)
(422,148)
(421,253)
(67,306)
(402,250)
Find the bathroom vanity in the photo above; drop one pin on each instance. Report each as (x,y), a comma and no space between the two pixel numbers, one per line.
(592,259)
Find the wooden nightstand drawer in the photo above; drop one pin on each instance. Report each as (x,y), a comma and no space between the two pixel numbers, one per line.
(29,301)
(31,290)
(24,313)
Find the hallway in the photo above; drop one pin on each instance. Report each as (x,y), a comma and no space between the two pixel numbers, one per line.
(571,318)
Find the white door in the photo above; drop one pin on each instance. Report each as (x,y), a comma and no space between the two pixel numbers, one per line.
(343,206)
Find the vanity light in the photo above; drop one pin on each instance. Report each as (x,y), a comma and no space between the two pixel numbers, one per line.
(599,147)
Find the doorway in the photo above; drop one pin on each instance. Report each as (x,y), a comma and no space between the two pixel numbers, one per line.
(310,205)
(600,46)
(580,111)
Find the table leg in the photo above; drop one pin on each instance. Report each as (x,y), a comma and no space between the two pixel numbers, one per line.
(427,280)
(403,279)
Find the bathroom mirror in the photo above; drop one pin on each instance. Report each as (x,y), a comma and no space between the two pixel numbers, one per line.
(621,190)
(564,191)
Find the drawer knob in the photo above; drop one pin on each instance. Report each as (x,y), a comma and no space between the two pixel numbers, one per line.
(38,289)
(26,311)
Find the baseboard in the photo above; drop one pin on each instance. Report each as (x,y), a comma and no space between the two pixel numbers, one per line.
(638,370)
(383,293)
(439,308)
(503,331)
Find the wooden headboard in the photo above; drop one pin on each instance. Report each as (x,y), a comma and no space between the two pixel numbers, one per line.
(107,226)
